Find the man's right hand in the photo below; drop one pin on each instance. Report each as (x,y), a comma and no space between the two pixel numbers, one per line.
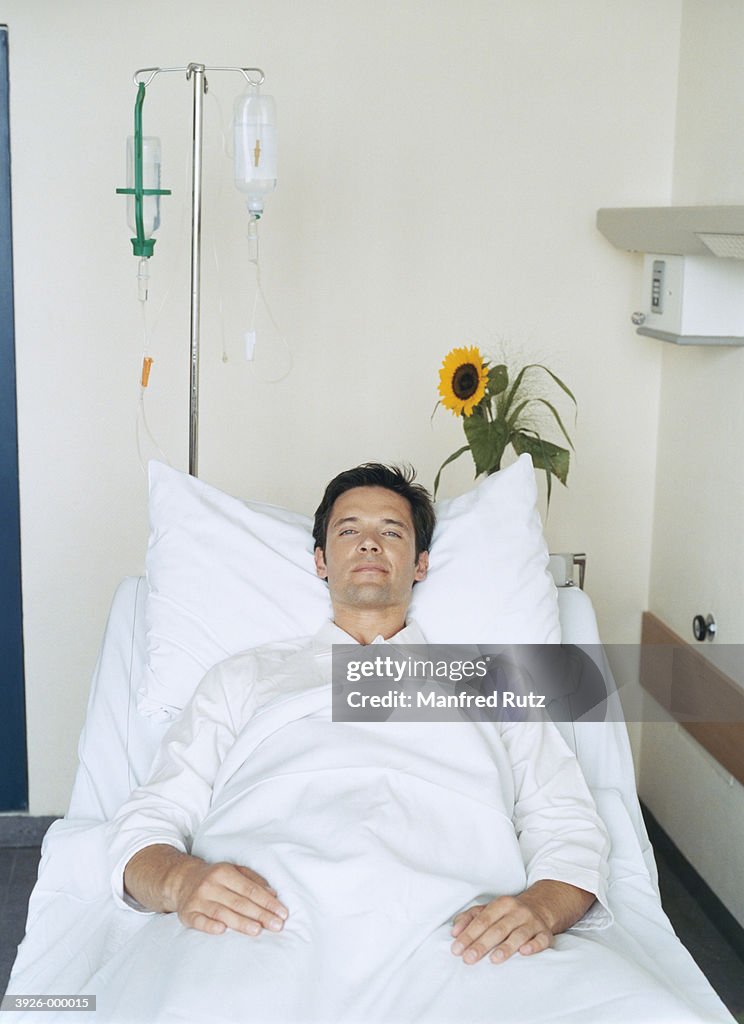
(208,897)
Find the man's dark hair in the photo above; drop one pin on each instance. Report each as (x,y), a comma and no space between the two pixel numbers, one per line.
(393,478)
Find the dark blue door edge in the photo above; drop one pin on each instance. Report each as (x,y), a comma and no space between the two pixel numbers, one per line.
(13,753)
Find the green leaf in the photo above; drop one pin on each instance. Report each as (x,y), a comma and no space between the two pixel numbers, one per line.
(498,380)
(545,455)
(558,420)
(487,442)
(536,366)
(515,387)
(559,382)
(451,458)
(513,419)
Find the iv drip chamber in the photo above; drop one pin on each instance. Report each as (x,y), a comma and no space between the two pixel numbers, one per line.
(254,128)
(150,179)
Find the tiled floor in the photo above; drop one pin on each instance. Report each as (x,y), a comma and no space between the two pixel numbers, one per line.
(723,967)
(18,867)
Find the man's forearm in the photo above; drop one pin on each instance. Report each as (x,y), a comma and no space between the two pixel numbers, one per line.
(153,876)
(559,904)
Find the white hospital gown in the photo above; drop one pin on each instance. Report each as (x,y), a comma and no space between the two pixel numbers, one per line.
(374,835)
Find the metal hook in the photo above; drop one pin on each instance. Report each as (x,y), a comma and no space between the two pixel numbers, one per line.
(143,71)
(247,73)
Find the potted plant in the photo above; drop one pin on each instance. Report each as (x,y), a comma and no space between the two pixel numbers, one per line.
(497,412)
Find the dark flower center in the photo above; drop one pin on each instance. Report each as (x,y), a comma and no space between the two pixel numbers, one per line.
(465,381)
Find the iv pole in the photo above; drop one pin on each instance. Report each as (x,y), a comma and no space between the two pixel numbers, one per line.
(197,74)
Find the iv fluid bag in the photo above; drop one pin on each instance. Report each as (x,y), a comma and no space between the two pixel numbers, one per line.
(254,128)
(150,179)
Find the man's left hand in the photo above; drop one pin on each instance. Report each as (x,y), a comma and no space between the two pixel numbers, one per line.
(525,923)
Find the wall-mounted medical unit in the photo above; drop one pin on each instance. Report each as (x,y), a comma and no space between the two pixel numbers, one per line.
(692,290)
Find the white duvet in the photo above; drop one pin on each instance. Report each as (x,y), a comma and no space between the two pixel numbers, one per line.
(78,940)
(374,838)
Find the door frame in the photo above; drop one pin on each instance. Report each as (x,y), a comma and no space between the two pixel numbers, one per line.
(13,749)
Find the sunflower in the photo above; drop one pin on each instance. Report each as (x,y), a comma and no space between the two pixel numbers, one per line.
(462,380)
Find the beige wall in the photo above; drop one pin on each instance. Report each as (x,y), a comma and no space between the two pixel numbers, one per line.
(441,166)
(698,543)
(698,548)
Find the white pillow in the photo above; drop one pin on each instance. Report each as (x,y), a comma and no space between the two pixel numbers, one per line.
(488,578)
(225,575)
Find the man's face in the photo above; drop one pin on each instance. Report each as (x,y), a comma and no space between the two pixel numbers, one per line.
(369,559)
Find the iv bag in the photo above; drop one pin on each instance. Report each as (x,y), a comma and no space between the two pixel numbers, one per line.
(254,127)
(150,179)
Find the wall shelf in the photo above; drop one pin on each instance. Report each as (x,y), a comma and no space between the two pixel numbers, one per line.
(678,230)
(693,275)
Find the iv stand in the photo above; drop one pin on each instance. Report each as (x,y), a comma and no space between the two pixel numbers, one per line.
(197,74)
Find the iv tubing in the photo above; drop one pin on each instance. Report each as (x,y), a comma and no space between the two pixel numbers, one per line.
(143,278)
(260,294)
(141,425)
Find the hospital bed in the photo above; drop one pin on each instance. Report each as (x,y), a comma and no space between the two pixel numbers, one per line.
(73,927)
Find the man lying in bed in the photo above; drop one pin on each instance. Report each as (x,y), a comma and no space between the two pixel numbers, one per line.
(303,869)
(372,532)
